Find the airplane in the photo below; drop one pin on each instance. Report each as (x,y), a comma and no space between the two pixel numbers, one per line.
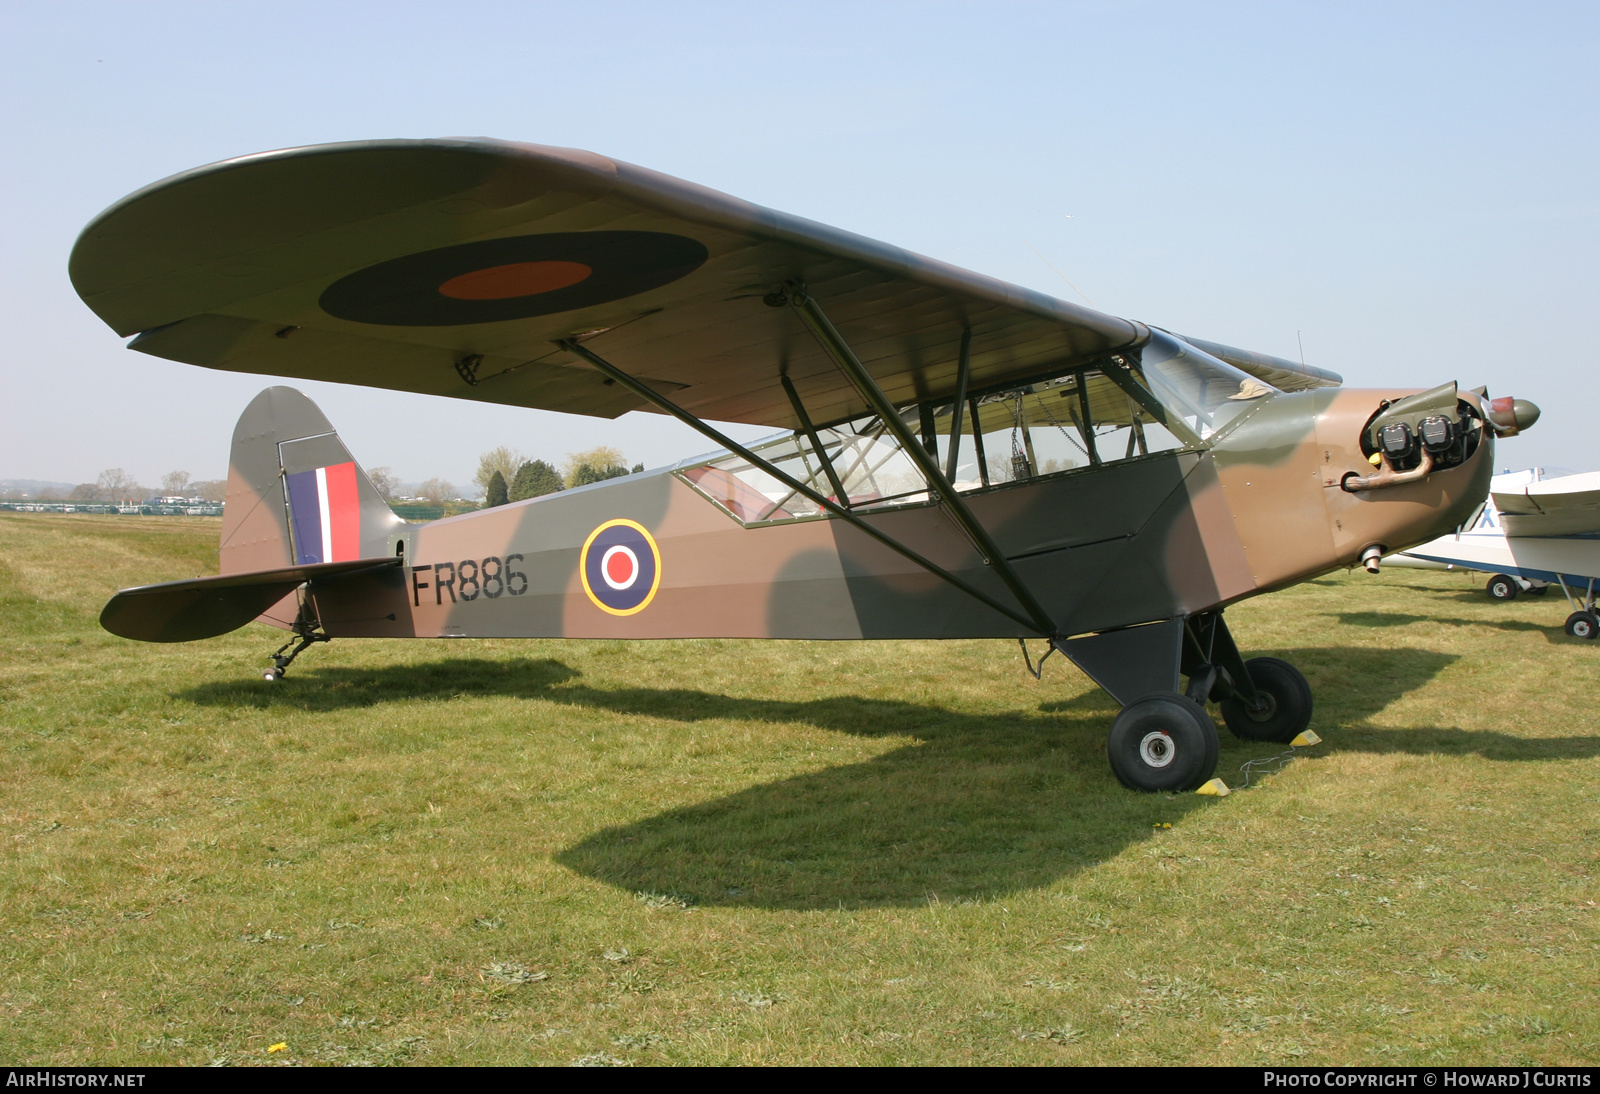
(1533,531)
(958,457)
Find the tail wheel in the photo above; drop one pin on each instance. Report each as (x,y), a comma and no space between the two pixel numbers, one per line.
(1163,743)
(1502,587)
(1286,703)
(1583,625)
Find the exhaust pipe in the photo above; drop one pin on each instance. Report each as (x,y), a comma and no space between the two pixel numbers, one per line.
(1371,557)
(1388,476)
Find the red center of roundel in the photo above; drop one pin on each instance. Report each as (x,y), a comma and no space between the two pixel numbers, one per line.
(619,567)
(514,280)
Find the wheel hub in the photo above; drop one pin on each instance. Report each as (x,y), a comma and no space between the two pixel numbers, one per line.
(1267,708)
(1156,749)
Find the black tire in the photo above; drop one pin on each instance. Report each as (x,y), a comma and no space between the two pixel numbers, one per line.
(1163,743)
(1288,709)
(1583,625)
(1535,590)
(1502,587)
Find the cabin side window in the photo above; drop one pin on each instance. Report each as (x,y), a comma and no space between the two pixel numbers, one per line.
(1082,419)
(1079,419)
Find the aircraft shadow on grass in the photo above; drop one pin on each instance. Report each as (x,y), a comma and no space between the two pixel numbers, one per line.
(1400,619)
(981,805)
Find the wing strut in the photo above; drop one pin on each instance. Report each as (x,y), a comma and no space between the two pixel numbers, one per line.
(938,485)
(816,442)
(692,421)
(963,374)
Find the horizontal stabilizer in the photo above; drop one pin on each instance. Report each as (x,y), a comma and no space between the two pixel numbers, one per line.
(204,607)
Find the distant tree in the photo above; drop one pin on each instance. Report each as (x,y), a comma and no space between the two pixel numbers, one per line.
(638,467)
(437,490)
(115,484)
(495,493)
(210,489)
(585,474)
(534,480)
(175,484)
(84,491)
(384,481)
(595,465)
(504,460)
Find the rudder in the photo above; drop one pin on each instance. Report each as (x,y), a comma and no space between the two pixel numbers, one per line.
(295,494)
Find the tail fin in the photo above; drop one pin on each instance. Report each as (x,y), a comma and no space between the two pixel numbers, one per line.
(295,494)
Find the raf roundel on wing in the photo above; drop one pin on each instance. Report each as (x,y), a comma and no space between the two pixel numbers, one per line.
(517,277)
(621,567)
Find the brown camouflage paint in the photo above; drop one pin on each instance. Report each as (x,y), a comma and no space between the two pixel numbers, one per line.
(1128,542)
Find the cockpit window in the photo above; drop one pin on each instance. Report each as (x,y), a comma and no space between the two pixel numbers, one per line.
(1169,396)
(1082,419)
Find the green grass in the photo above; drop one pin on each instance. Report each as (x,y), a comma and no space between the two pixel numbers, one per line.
(761,852)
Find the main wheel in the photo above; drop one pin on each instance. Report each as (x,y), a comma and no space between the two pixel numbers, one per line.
(1501,587)
(1583,625)
(1535,590)
(1287,703)
(1163,742)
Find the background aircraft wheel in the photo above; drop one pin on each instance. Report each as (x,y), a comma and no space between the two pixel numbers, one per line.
(271,676)
(1163,742)
(1288,703)
(1536,590)
(1502,587)
(1583,625)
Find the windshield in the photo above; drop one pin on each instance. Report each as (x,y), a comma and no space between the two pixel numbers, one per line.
(1195,386)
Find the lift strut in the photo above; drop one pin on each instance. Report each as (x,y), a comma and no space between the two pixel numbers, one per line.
(926,462)
(1040,624)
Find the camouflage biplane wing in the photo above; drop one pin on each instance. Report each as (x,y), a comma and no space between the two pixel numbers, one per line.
(453,267)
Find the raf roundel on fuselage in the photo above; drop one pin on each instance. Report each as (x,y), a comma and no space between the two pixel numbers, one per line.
(621,567)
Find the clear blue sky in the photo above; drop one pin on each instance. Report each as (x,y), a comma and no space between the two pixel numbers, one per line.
(1412,186)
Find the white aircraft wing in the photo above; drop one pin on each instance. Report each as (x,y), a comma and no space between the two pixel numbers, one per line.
(1568,506)
(1537,558)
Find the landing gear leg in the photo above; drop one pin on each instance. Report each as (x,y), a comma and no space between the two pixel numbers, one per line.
(1584,622)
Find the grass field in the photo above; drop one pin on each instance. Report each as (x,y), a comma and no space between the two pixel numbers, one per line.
(500,852)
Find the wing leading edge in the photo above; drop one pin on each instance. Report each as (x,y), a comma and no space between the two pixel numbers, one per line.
(451,267)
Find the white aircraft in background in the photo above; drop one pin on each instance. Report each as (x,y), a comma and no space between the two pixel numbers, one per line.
(1534,530)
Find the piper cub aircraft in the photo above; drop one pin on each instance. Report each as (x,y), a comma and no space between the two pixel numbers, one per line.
(960,457)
